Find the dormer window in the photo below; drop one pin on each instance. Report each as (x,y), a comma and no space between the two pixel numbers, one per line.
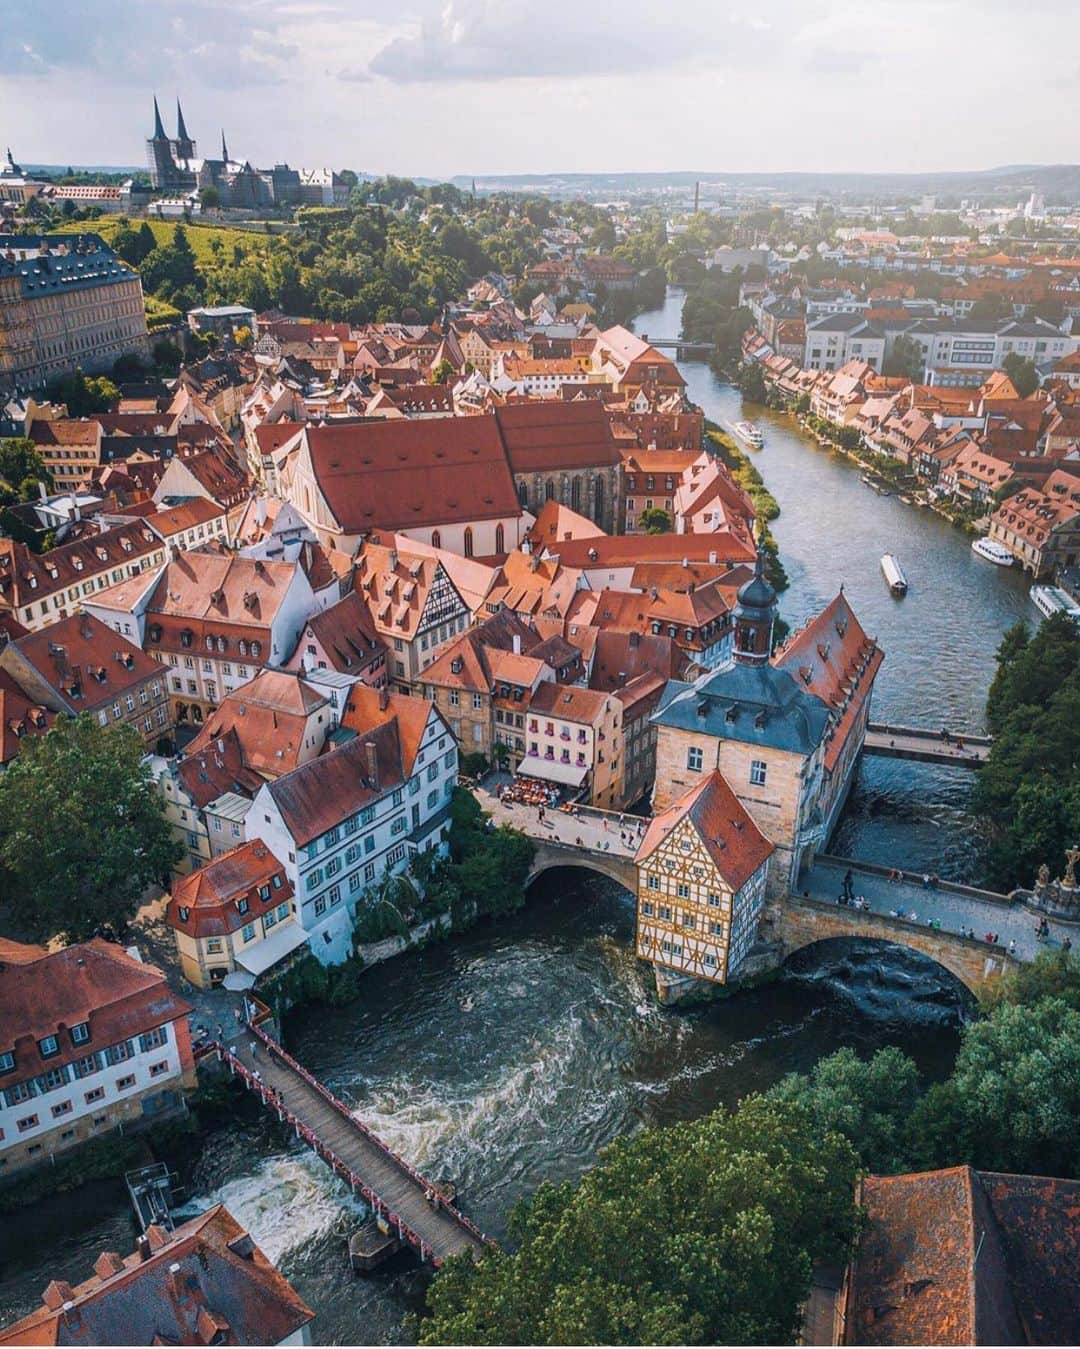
(256,649)
(49,1046)
(80,1033)
(241,906)
(242,647)
(185,914)
(7,1061)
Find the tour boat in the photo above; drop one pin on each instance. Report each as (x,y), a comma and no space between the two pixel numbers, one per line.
(1050,600)
(894,575)
(992,551)
(750,433)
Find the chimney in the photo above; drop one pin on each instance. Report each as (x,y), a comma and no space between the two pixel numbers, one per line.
(76,513)
(371,757)
(713,558)
(384,698)
(42,492)
(517,643)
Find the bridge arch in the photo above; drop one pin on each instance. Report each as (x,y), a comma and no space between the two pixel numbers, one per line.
(799,924)
(550,856)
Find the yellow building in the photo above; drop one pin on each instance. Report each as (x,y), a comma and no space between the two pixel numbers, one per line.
(702,873)
(236,913)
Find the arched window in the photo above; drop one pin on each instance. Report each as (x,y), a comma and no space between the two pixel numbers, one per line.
(575,493)
(500,545)
(436,539)
(599,494)
(468,543)
(549,490)
(523,494)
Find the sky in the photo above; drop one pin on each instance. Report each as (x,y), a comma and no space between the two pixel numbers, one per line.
(435,88)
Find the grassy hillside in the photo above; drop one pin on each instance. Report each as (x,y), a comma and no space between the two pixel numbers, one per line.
(199,236)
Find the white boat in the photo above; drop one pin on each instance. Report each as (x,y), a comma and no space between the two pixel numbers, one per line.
(894,574)
(992,551)
(750,433)
(1050,600)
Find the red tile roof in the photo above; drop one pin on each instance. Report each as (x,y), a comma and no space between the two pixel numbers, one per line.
(727,830)
(95,982)
(546,435)
(82,653)
(403,473)
(209,896)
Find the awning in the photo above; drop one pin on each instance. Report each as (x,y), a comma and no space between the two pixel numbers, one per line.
(551,770)
(258,958)
(239,981)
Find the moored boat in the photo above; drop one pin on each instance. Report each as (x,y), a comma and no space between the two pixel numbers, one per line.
(894,574)
(992,551)
(750,433)
(1050,600)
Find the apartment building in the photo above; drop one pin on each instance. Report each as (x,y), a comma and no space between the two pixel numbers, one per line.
(90,1038)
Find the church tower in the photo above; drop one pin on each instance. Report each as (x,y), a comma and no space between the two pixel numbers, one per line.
(184,146)
(159,157)
(755,611)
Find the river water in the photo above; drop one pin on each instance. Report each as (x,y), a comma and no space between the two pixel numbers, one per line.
(514,1053)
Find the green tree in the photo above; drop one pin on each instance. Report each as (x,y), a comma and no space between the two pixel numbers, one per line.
(84,395)
(752,382)
(82,831)
(869,1102)
(210,198)
(655,520)
(1012,1102)
(906,359)
(701,1233)
(22,467)
(1021,370)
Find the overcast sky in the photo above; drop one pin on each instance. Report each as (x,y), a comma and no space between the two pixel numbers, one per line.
(441,87)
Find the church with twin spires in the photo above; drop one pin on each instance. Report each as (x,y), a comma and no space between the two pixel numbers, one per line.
(176,170)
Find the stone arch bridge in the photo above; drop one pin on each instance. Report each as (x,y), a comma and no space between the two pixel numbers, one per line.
(616,866)
(795,923)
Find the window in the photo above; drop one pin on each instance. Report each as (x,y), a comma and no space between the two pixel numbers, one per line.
(398,826)
(320,908)
(468,542)
(713,901)
(665,913)
(156,1069)
(153,1039)
(694,759)
(758,770)
(682,890)
(49,1046)
(688,920)
(55,1077)
(7,1061)
(61,1109)
(647,909)
(125,1083)
(369,872)
(120,1053)
(652,882)
(27,1122)
(455,698)
(247,933)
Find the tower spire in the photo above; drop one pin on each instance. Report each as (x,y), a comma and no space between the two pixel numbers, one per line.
(159,130)
(181,129)
(224,147)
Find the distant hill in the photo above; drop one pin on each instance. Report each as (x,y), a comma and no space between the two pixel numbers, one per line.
(1059,183)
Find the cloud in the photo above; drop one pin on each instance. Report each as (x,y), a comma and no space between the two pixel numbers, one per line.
(489,40)
(136,42)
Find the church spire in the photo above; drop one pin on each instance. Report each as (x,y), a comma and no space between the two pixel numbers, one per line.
(755,611)
(224,147)
(181,129)
(159,130)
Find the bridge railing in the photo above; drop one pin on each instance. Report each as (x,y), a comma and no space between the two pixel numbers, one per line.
(915,878)
(421,1180)
(900,920)
(925,733)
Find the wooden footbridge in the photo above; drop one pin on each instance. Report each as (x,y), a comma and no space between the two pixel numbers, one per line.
(405,1199)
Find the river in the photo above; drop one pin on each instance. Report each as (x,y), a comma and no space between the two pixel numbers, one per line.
(514,1053)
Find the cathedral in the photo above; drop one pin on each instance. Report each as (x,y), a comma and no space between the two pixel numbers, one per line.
(176,170)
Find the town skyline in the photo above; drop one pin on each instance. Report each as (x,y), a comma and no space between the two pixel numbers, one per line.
(619,92)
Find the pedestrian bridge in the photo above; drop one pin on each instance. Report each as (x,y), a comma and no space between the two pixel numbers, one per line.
(925,746)
(394,1190)
(681,346)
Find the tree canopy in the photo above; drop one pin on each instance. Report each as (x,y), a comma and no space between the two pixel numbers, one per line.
(1021,370)
(1029,787)
(82,831)
(701,1233)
